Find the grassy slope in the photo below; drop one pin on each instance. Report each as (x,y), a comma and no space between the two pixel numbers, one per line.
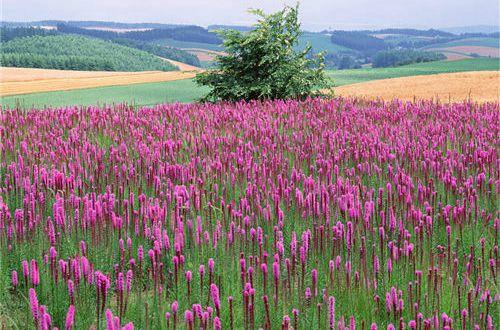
(187,91)
(320,42)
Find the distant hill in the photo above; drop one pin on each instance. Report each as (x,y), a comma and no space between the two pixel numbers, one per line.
(190,33)
(72,52)
(472,29)
(413,32)
(198,46)
(86,24)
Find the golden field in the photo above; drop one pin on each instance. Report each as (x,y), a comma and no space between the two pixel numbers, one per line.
(466,50)
(16,81)
(479,86)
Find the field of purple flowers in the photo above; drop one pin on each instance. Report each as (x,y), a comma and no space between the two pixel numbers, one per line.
(321,214)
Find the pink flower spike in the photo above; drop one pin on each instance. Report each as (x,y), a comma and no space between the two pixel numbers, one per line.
(70,318)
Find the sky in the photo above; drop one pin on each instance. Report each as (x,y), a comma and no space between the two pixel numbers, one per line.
(315,14)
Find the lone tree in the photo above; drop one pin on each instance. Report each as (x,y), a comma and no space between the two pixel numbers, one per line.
(263,63)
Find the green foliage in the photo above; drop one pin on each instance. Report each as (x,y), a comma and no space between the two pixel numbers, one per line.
(61,62)
(263,63)
(71,52)
(398,57)
(343,61)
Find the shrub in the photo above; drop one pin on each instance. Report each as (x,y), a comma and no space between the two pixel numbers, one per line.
(263,64)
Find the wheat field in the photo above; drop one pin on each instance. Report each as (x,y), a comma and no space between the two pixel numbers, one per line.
(483,86)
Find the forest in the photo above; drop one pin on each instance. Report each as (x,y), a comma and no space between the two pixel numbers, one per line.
(73,52)
(7,34)
(11,33)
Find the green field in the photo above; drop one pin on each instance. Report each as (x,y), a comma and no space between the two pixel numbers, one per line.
(137,94)
(346,77)
(188,91)
(320,42)
(484,42)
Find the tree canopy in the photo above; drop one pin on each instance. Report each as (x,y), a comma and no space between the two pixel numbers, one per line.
(263,64)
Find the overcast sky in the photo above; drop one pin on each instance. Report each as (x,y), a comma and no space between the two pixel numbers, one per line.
(315,14)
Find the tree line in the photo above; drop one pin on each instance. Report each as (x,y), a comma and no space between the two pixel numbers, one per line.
(190,33)
(7,34)
(398,57)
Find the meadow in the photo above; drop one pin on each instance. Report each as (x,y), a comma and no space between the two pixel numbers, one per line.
(320,42)
(322,214)
(187,91)
(136,94)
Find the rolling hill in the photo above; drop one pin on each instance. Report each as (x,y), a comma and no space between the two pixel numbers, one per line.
(73,52)
(469,47)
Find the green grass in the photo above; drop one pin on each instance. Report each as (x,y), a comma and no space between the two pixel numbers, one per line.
(320,42)
(188,91)
(187,44)
(138,94)
(346,77)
